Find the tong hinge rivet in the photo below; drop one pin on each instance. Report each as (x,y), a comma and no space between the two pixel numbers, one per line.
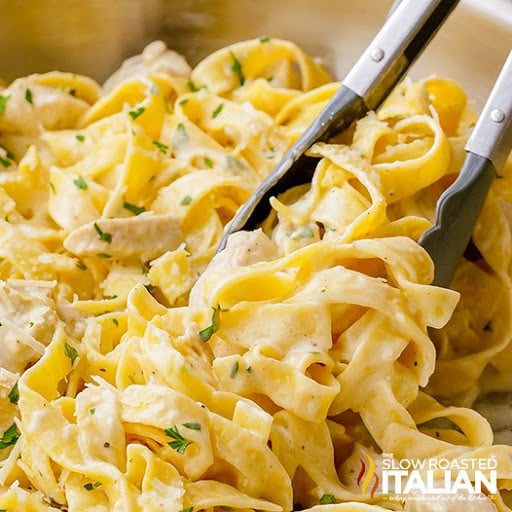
(497,115)
(377,54)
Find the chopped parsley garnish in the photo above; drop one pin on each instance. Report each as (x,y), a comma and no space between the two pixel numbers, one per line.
(79,137)
(104,237)
(4,162)
(144,269)
(188,509)
(3,103)
(70,352)
(180,136)
(264,39)
(218,110)
(236,67)
(81,265)
(14,394)
(161,146)
(208,162)
(92,410)
(52,186)
(192,86)
(192,426)
(80,183)
(206,333)
(9,437)
(92,486)
(72,92)
(136,210)
(234,370)
(136,113)
(179,443)
(103,255)
(186,200)
(28,96)
(115,321)
(327,499)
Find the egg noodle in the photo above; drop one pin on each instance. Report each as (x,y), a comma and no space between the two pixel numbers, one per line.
(296,367)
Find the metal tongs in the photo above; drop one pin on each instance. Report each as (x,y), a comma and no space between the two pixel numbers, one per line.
(408,29)
(460,204)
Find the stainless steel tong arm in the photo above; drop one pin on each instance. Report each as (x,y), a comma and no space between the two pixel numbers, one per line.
(406,32)
(460,204)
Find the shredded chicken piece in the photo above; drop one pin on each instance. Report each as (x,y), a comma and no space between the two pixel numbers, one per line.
(31,313)
(49,108)
(155,57)
(145,236)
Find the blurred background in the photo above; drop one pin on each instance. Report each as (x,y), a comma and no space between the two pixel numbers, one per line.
(92,37)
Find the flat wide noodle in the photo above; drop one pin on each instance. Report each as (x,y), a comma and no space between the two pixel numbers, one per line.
(140,372)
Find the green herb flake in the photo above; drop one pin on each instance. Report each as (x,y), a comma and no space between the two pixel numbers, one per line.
(9,437)
(81,265)
(136,210)
(236,67)
(218,110)
(161,146)
(104,237)
(14,394)
(28,96)
(72,92)
(70,352)
(104,255)
(182,102)
(136,113)
(186,200)
(179,443)
(188,509)
(208,162)
(115,321)
(192,426)
(264,39)
(52,186)
(192,86)
(144,269)
(234,370)
(92,486)
(80,183)
(79,137)
(5,163)
(180,136)
(206,333)
(327,499)
(3,103)
(92,410)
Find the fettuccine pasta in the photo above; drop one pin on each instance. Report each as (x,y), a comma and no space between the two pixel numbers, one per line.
(140,372)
